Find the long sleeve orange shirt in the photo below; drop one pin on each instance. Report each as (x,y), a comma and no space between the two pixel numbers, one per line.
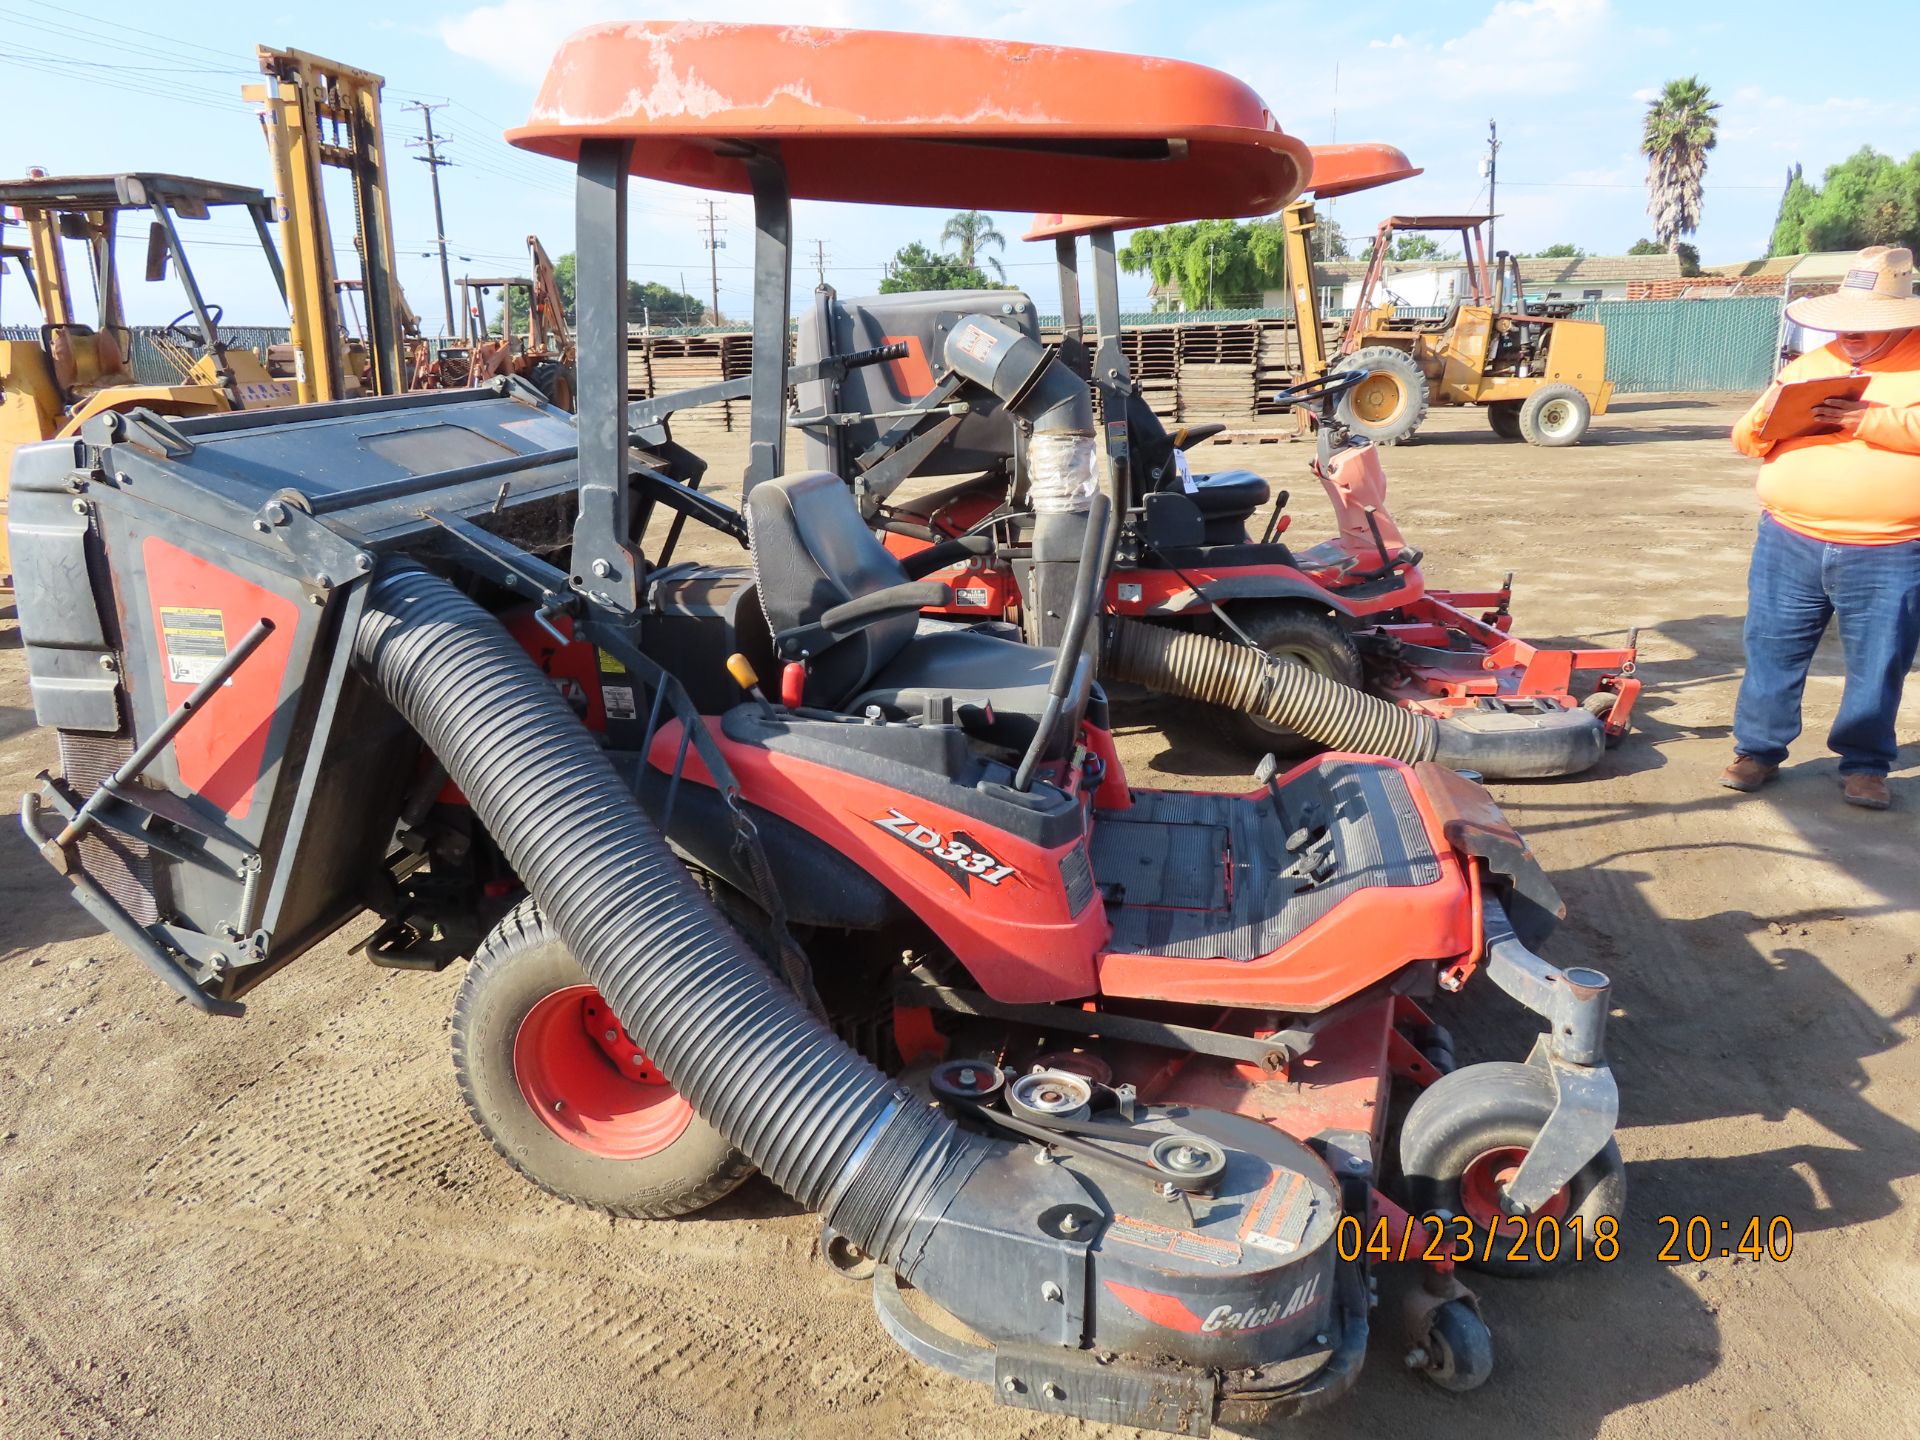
(1862,489)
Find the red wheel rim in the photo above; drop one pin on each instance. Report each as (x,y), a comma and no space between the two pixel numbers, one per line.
(566,1067)
(1483,1183)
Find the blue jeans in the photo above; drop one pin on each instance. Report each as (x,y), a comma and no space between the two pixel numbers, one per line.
(1796,584)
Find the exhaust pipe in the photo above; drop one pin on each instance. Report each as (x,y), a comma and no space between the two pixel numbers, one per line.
(1497,745)
(1020,1252)
(1055,408)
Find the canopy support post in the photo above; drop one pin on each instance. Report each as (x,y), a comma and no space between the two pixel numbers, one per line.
(605,566)
(772,295)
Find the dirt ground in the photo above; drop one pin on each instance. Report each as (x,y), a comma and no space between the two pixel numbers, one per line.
(285,1225)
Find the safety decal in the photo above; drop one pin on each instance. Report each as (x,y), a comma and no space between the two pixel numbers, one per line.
(959,854)
(618,702)
(195,640)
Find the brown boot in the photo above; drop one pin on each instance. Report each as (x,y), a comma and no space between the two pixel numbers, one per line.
(1867,791)
(1747,773)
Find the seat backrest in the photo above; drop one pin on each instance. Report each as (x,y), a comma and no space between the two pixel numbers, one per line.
(85,360)
(812,551)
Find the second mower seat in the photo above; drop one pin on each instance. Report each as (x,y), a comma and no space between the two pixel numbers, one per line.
(812,552)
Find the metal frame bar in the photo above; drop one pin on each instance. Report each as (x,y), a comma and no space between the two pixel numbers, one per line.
(605,565)
(772,297)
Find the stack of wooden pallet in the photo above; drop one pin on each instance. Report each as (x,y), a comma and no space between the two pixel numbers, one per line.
(1153,355)
(1276,364)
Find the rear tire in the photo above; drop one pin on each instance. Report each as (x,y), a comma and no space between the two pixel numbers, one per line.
(1298,635)
(1555,416)
(1504,417)
(1470,1128)
(1390,404)
(625,1148)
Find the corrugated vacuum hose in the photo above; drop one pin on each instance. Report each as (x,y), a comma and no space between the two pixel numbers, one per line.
(1497,743)
(1197,666)
(819,1120)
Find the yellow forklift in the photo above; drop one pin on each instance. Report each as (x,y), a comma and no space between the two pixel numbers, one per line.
(1540,375)
(319,116)
(76,368)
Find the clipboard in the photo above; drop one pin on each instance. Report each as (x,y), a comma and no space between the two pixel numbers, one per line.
(1792,415)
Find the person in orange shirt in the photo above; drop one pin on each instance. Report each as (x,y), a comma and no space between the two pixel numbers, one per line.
(1839,534)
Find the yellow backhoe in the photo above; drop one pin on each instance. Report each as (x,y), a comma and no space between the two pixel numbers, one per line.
(1540,375)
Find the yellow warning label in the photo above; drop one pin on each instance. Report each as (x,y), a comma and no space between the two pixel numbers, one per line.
(195,640)
(610,666)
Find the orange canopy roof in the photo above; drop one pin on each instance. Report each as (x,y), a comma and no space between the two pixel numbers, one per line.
(873,116)
(1337,170)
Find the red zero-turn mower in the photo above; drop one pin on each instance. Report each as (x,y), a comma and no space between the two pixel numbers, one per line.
(1111,1077)
(1295,644)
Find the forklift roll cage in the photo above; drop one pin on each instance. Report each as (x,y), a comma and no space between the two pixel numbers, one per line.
(101,200)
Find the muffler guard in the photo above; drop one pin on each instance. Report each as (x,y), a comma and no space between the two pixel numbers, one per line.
(1124,1302)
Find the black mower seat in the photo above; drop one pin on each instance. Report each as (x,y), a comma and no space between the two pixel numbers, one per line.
(1230,494)
(812,552)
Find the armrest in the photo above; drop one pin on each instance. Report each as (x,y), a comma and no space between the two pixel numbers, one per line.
(1189,436)
(854,615)
(883,604)
(947,552)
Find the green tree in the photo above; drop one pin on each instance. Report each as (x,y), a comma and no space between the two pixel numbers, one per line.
(1646,247)
(1329,240)
(1565,250)
(1679,129)
(914,267)
(1217,264)
(1406,248)
(1867,199)
(661,304)
(972,231)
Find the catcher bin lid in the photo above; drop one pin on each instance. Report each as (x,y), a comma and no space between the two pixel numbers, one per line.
(877,117)
(1337,170)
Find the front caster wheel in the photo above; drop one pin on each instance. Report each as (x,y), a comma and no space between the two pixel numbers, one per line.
(550,1077)
(1600,704)
(1461,1145)
(1458,1353)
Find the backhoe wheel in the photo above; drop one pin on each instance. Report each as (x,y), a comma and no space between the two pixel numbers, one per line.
(1390,403)
(1295,635)
(549,1076)
(1600,704)
(1555,416)
(1504,417)
(1464,1139)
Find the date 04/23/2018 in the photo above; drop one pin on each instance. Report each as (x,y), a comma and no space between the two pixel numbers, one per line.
(1545,1239)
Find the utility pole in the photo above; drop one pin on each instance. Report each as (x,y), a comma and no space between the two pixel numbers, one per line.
(820,261)
(1326,239)
(433,160)
(714,246)
(1493,167)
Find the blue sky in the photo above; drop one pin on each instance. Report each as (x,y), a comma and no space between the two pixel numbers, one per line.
(126,86)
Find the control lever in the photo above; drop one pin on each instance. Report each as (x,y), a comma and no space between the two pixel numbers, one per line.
(748,679)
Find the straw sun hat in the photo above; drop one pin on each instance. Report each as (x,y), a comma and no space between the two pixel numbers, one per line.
(1877,295)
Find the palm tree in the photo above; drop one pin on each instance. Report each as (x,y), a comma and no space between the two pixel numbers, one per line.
(972,231)
(1680,128)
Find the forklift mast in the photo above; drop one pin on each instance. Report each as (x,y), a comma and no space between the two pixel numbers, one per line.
(318,115)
